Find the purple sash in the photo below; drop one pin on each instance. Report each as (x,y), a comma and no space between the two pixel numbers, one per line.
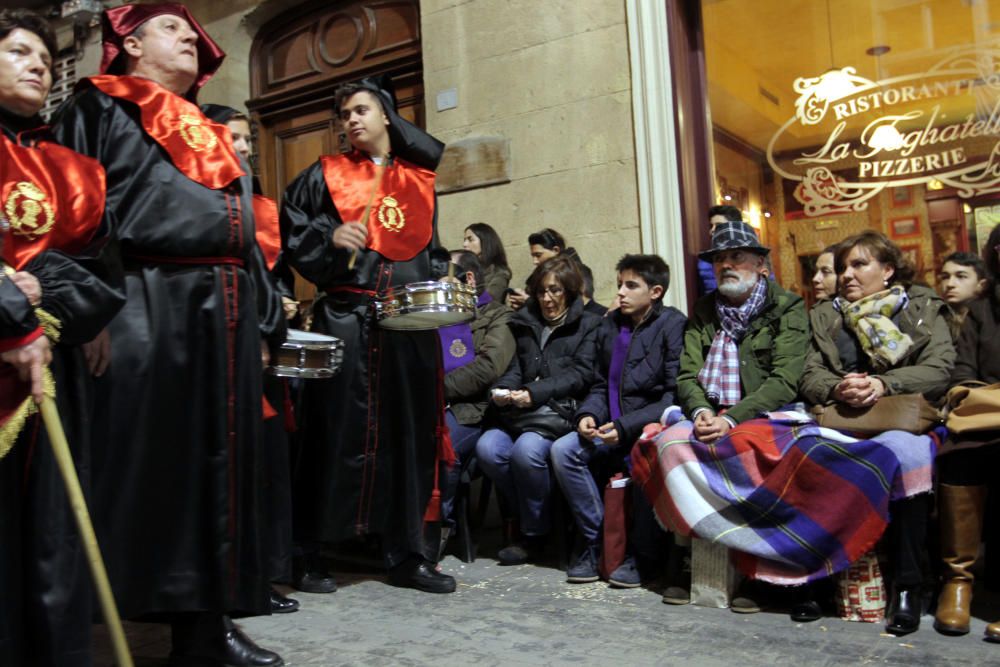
(618,353)
(457,349)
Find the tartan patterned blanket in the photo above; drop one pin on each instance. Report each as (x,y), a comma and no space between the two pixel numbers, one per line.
(794,501)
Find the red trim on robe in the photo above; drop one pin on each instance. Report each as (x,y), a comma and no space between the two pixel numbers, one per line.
(265,215)
(401,221)
(8,344)
(53,198)
(201,149)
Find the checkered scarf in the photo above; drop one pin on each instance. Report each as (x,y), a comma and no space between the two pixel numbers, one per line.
(720,376)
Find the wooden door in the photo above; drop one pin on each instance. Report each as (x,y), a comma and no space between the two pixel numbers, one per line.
(297,62)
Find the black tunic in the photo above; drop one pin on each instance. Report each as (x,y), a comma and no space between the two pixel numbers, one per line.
(368,446)
(177,465)
(44,578)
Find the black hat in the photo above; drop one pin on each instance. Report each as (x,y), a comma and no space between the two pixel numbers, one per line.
(733,235)
(409,142)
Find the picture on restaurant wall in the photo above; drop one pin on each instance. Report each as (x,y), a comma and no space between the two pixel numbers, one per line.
(913,257)
(904,228)
(902,196)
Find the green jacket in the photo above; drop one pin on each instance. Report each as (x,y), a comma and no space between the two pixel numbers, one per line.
(467,388)
(772,354)
(926,368)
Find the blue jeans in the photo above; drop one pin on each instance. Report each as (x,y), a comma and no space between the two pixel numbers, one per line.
(520,470)
(463,441)
(571,457)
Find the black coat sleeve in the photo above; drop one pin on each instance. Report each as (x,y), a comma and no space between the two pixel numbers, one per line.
(576,377)
(17,317)
(308,221)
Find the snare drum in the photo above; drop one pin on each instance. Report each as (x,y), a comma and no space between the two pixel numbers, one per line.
(430,305)
(308,355)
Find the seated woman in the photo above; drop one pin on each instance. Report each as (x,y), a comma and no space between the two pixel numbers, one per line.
(883,336)
(553,367)
(824,280)
(484,241)
(967,463)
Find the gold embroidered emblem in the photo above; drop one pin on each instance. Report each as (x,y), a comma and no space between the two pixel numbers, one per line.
(197,137)
(390,215)
(457,349)
(30,215)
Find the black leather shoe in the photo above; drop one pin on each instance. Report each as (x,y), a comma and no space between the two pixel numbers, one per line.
(904,613)
(213,640)
(314,582)
(421,575)
(806,611)
(282,604)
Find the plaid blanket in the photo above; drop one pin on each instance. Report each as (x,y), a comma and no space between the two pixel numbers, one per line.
(795,502)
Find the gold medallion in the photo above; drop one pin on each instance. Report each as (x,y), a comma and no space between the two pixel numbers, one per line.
(197,137)
(457,349)
(390,215)
(30,215)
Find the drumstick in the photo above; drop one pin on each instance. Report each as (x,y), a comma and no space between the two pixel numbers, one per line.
(60,449)
(368,206)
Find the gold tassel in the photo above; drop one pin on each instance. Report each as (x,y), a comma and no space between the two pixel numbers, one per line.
(11,429)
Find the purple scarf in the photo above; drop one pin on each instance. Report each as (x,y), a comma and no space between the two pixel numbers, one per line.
(618,354)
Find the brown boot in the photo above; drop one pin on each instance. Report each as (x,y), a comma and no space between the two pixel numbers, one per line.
(960,515)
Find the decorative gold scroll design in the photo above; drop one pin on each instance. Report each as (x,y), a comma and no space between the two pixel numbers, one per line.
(898,147)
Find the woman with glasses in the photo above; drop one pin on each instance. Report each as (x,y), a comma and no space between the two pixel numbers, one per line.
(967,463)
(534,400)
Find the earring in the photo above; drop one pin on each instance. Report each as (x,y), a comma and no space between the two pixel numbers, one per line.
(885,281)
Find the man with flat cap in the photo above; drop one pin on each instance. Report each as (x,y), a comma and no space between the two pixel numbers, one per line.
(373,436)
(177,458)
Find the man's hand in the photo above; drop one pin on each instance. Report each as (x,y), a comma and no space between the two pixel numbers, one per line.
(708,427)
(97,353)
(859,390)
(350,236)
(28,284)
(587,428)
(265,354)
(30,360)
(520,398)
(290,306)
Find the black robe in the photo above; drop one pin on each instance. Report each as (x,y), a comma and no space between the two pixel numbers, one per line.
(177,460)
(45,582)
(368,444)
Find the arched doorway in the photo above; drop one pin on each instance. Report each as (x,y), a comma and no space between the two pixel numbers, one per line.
(300,57)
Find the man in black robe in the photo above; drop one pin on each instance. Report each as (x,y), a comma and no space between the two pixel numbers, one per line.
(374,434)
(177,473)
(60,284)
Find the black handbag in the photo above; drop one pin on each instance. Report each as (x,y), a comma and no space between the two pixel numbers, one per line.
(550,420)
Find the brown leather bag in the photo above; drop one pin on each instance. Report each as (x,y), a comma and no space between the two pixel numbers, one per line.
(972,407)
(898,412)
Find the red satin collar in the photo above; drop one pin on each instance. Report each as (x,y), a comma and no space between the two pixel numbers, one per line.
(401,221)
(53,198)
(265,213)
(201,149)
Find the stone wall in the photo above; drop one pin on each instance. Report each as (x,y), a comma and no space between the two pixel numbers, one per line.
(553,79)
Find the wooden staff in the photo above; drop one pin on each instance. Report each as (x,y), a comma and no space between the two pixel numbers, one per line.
(368,207)
(53,425)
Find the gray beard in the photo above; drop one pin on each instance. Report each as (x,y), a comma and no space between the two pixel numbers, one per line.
(739,289)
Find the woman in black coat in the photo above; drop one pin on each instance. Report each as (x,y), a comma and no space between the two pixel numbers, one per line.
(536,398)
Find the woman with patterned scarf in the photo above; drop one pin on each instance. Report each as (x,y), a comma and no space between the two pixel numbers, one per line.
(883,336)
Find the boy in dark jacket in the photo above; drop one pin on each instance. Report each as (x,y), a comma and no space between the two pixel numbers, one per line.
(639,355)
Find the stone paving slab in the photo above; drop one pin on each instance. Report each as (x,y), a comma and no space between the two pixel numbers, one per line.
(528,615)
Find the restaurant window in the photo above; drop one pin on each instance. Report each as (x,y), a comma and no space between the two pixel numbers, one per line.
(831,117)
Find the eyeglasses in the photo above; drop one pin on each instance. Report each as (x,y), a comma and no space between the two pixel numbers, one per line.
(554,292)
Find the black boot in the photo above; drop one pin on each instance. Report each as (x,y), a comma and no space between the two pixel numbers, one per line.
(205,640)
(282,604)
(903,615)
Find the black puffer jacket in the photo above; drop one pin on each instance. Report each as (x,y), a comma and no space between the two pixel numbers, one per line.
(565,367)
(648,380)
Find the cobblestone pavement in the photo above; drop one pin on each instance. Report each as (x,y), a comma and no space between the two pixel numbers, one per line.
(528,615)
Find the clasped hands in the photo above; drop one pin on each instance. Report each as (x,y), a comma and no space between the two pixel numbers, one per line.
(519,398)
(588,430)
(859,390)
(709,427)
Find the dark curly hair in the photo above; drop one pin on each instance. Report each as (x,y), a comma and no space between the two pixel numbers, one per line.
(882,249)
(25,19)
